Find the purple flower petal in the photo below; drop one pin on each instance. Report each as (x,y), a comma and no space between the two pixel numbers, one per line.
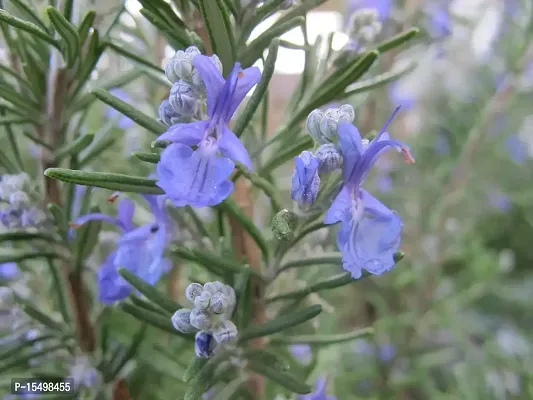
(231,147)
(125,211)
(340,207)
(190,134)
(9,270)
(305,179)
(111,286)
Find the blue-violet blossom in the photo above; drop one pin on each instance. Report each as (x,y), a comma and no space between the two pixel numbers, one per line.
(139,250)
(370,232)
(305,179)
(199,177)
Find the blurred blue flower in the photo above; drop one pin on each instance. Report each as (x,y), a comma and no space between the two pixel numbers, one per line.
(400,96)
(9,271)
(499,200)
(305,179)
(516,149)
(439,18)
(123,122)
(139,250)
(319,392)
(383,7)
(370,232)
(302,352)
(200,177)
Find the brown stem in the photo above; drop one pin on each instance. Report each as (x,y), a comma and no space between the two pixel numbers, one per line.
(50,131)
(248,251)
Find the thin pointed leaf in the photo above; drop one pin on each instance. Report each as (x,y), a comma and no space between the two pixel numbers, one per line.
(398,40)
(152,158)
(153,319)
(16,235)
(281,378)
(255,50)
(85,26)
(25,358)
(26,26)
(68,33)
(30,14)
(104,143)
(86,238)
(21,255)
(230,207)
(200,383)
(134,57)
(40,316)
(289,152)
(280,323)
(263,184)
(259,14)
(16,120)
(259,91)
(322,339)
(13,351)
(117,182)
(213,262)
(142,119)
(74,147)
(8,93)
(333,258)
(219,29)
(194,367)
(131,351)
(330,283)
(176,37)
(60,287)
(150,292)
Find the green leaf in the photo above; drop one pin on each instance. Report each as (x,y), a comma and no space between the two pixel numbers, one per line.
(322,339)
(86,238)
(255,50)
(30,14)
(152,158)
(130,352)
(230,207)
(142,119)
(26,26)
(13,351)
(118,182)
(150,292)
(263,184)
(398,40)
(210,260)
(8,93)
(21,235)
(282,156)
(153,319)
(219,29)
(280,323)
(16,120)
(333,258)
(25,358)
(19,78)
(73,148)
(134,57)
(194,367)
(61,290)
(300,10)
(260,90)
(21,255)
(60,221)
(176,37)
(104,143)
(378,81)
(200,383)
(40,316)
(281,378)
(85,26)
(330,283)
(259,14)
(68,33)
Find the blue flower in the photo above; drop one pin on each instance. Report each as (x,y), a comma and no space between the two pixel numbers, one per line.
(440,21)
(370,232)
(305,179)
(516,149)
(199,177)
(319,393)
(9,271)
(204,344)
(139,250)
(302,352)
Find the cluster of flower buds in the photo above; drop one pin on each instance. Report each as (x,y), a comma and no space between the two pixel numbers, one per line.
(186,101)
(213,305)
(16,208)
(363,29)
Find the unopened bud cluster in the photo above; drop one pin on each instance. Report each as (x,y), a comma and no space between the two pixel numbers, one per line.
(213,305)
(186,101)
(16,205)
(364,28)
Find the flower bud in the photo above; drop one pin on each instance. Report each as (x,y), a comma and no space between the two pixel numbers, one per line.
(181,320)
(192,291)
(305,179)
(231,299)
(283,225)
(313,125)
(346,113)
(202,301)
(214,287)
(225,331)
(168,116)
(196,79)
(219,303)
(200,319)
(204,344)
(180,65)
(329,158)
(183,99)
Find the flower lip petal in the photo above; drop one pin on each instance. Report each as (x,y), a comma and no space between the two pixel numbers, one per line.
(190,134)
(213,80)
